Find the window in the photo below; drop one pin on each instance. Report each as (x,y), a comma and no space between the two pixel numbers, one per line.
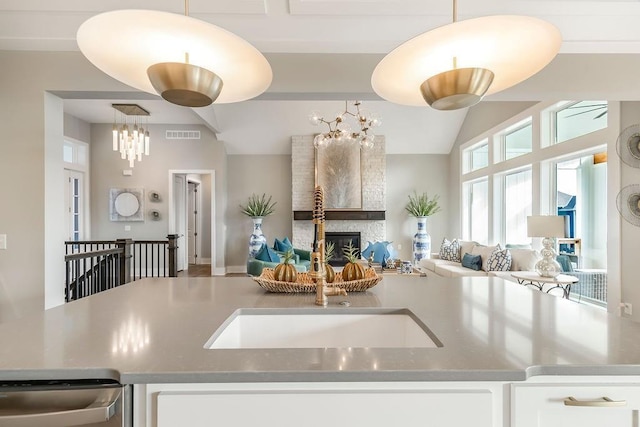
(580,118)
(518,141)
(477,157)
(517,206)
(477,221)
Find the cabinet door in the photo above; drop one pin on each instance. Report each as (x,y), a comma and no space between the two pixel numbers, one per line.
(592,405)
(333,408)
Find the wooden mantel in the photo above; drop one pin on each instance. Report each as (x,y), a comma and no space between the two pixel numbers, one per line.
(349,215)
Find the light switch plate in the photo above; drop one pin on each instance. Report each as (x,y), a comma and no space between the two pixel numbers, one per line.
(127,228)
(3,241)
(127,172)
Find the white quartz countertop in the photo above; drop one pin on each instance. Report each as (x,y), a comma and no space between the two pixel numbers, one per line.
(154,331)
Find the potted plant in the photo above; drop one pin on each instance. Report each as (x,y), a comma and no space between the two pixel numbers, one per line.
(421,207)
(257,208)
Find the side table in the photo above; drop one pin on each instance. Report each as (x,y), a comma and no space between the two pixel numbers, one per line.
(531,278)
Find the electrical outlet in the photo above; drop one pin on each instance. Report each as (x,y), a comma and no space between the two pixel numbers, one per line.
(399,246)
(627,308)
(127,228)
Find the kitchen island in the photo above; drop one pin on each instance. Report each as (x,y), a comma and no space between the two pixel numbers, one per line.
(151,333)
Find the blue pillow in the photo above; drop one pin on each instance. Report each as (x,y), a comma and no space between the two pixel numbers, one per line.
(473,262)
(267,254)
(380,251)
(282,245)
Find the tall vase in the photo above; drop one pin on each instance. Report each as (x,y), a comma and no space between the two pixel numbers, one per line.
(257,239)
(421,241)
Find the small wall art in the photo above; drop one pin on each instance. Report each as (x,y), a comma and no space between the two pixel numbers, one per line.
(126,204)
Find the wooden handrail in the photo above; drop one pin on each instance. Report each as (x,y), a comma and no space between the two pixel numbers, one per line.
(81,255)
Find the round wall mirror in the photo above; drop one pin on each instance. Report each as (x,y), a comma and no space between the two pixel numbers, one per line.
(126,204)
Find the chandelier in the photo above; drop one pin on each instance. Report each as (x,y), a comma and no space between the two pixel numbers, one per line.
(341,132)
(130,137)
(455,65)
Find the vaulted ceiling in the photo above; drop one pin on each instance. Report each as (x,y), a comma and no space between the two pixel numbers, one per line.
(323,52)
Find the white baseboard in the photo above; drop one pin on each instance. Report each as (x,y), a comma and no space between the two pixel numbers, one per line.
(236,269)
(218,271)
(203,261)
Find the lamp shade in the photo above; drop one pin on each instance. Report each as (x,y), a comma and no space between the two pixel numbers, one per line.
(126,43)
(546,226)
(512,47)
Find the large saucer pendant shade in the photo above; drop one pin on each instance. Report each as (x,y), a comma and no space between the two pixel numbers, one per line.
(512,48)
(126,43)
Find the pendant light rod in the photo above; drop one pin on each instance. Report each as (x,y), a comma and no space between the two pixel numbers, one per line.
(455,10)
(186,7)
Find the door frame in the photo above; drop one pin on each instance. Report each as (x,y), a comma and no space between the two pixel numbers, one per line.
(198,219)
(172,207)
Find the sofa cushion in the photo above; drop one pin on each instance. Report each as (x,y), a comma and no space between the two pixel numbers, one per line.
(473,262)
(466,246)
(485,253)
(457,270)
(450,250)
(524,259)
(499,260)
(267,254)
(282,245)
(431,263)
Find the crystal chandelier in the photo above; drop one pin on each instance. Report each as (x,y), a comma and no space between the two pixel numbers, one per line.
(340,131)
(129,135)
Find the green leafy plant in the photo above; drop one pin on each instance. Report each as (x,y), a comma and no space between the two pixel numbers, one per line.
(422,205)
(329,251)
(258,206)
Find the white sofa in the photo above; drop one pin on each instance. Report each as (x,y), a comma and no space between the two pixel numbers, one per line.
(521,260)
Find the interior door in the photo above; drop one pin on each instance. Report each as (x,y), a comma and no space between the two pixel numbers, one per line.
(192,222)
(180,203)
(74,202)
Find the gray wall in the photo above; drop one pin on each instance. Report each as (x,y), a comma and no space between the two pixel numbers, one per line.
(423,173)
(629,234)
(153,174)
(76,128)
(256,174)
(34,231)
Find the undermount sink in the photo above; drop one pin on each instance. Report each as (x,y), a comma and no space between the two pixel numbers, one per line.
(322,328)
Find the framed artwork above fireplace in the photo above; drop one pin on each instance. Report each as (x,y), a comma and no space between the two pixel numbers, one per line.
(337,170)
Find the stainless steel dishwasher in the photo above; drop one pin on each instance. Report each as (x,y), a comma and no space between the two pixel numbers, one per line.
(65,403)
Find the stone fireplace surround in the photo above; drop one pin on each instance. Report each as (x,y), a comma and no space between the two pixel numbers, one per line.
(370,220)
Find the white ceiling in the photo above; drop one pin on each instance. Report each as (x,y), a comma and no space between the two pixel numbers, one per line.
(295,33)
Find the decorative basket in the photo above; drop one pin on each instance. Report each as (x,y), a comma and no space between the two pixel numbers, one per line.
(306,284)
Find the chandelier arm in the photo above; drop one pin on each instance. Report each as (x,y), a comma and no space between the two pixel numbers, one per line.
(455,10)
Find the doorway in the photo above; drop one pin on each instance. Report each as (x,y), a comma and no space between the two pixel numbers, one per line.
(74,204)
(192,217)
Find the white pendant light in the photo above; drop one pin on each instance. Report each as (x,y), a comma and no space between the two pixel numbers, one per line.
(455,65)
(187,61)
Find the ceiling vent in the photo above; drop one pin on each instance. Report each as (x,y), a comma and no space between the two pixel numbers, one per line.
(183,134)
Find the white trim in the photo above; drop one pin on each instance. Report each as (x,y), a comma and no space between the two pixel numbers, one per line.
(204,261)
(236,269)
(214,236)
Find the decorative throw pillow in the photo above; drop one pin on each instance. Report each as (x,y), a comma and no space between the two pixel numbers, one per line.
(282,245)
(523,259)
(466,246)
(473,262)
(450,250)
(499,260)
(380,251)
(484,252)
(267,254)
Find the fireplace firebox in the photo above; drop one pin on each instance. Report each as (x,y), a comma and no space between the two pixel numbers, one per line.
(340,240)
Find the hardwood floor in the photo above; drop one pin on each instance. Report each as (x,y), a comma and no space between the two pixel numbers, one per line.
(196,270)
(203,270)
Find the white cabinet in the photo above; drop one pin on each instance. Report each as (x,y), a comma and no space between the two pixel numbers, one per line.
(583,404)
(320,405)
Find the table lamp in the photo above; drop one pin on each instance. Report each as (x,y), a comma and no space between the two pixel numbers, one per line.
(549,227)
